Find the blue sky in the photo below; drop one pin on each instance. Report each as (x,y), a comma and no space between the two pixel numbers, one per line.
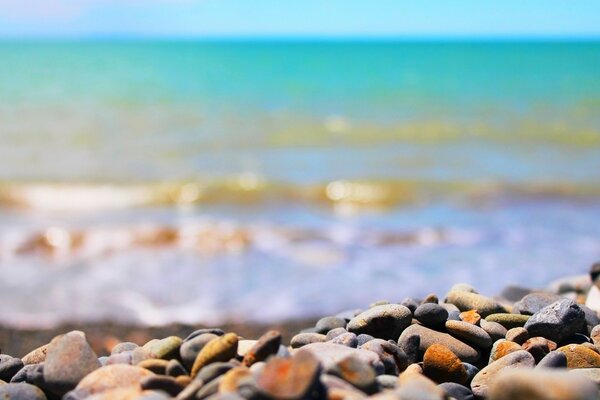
(319,18)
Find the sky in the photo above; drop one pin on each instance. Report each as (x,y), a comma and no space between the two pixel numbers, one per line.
(300,18)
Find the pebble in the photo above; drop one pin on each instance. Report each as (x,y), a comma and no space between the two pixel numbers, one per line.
(234,379)
(579,356)
(37,356)
(410,303)
(329,354)
(442,365)
(175,368)
(431,298)
(470,333)
(346,339)
(112,377)
(191,347)
(418,387)
(466,301)
(457,391)
(335,333)
(501,348)
(471,316)
(290,378)
(222,348)
(431,314)
(541,384)
(9,366)
(429,337)
(534,302)
(69,358)
(198,332)
(155,365)
(393,358)
(356,372)
(21,391)
(268,344)
(539,347)
(557,322)
(163,383)
(363,338)
(302,339)
(554,359)
(410,346)
(326,324)
(494,329)
(595,334)
(384,321)
(518,335)
(485,378)
(508,320)
(165,349)
(387,381)
(123,347)
(214,370)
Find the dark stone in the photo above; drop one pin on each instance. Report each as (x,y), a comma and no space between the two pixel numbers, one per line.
(410,346)
(393,358)
(21,375)
(557,322)
(326,324)
(384,321)
(175,369)
(21,391)
(268,344)
(214,370)
(198,332)
(431,314)
(191,347)
(9,366)
(364,338)
(160,382)
(410,303)
(356,372)
(347,339)
(554,359)
(457,391)
(534,302)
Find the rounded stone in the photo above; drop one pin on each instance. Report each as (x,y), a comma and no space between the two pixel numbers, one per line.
(191,347)
(335,333)
(471,316)
(123,346)
(290,378)
(234,379)
(508,320)
(37,356)
(393,358)
(175,368)
(356,372)
(595,334)
(385,321)
(501,348)
(346,339)
(539,347)
(202,331)
(326,324)
(302,339)
(442,365)
(165,349)
(579,356)
(470,333)
(534,302)
(554,359)
(20,391)
(68,360)
(213,371)
(428,337)
(466,301)
(558,321)
(431,314)
(410,346)
(9,366)
(329,354)
(156,365)
(494,329)
(518,335)
(268,344)
(163,383)
(112,377)
(457,391)
(363,338)
(485,378)
(540,384)
(222,348)
(387,381)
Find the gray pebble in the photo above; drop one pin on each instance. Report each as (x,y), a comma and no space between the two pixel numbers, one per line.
(431,314)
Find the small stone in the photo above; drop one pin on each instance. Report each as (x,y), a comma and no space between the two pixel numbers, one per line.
(557,322)
(165,349)
(486,377)
(518,335)
(410,303)
(9,366)
(326,324)
(329,354)
(384,321)
(290,378)
(393,358)
(163,383)
(501,348)
(191,347)
(222,348)
(470,333)
(335,333)
(155,365)
(356,372)
(214,370)
(471,372)
(387,381)
(428,337)
(534,302)
(198,332)
(234,379)
(302,339)
(363,338)
(541,384)
(457,391)
(593,299)
(123,346)
(69,358)
(494,329)
(126,357)
(579,356)
(20,391)
(346,339)
(112,377)
(507,320)
(22,374)
(466,301)
(431,314)
(175,368)
(268,344)
(37,356)
(471,316)
(442,365)
(416,386)
(554,359)
(430,299)
(539,347)
(410,346)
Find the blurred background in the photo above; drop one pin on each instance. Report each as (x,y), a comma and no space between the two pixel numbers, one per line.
(226,160)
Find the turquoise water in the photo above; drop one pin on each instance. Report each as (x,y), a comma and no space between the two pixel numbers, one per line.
(336,172)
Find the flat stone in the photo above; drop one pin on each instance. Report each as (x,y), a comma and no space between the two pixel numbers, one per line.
(356,372)
(470,333)
(347,339)
(494,329)
(21,391)
(431,314)
(9,366)
(442,365)
(457,391)
(326,324)
(579,356)
(518,335)
(268,344)
(385,321)
(329,354)
(508,320)
(290,378)
(471,316)
(557,322)
(69,358)
(302,339)
(541,384)
(554,359)
(485,378)
(501,348)
(534,302)
(112,377)
(191,347)
(222,348)
(429,337)
(466,301)
(37,356)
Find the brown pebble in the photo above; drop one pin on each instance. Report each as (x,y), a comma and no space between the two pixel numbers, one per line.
(518,335)
(290,378)
(222,348)
(471,316)
(266,345)
(442,365)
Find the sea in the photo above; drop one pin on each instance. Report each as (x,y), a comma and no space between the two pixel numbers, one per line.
(158,181)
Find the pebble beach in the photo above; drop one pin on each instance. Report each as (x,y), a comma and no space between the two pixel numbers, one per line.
(521,344)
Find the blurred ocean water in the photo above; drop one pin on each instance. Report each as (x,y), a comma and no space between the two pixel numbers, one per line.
(205,181)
